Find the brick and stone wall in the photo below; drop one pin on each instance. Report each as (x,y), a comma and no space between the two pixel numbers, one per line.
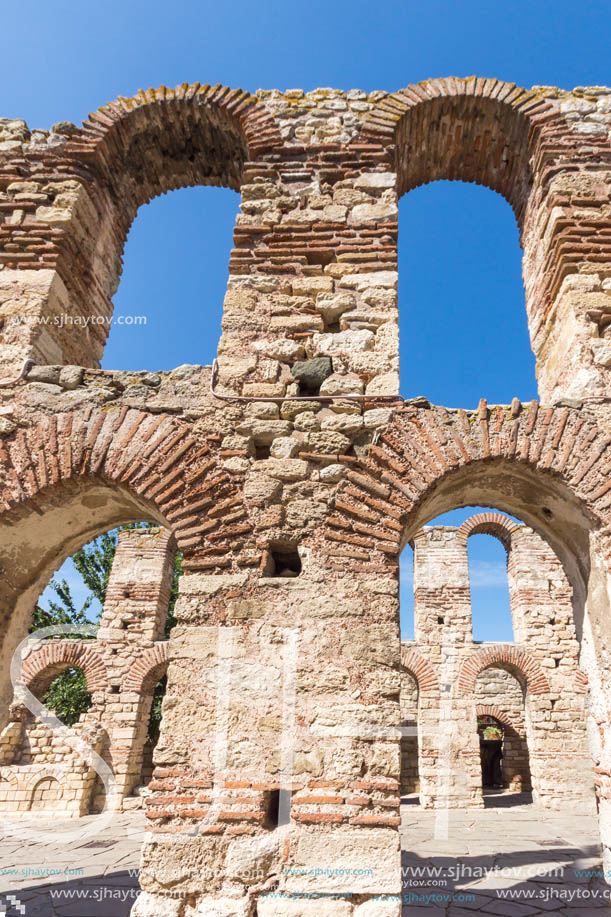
(536,683)
(500,695)
(328,488)
(122,666)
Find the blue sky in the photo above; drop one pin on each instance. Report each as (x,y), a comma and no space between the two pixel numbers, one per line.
(463,327)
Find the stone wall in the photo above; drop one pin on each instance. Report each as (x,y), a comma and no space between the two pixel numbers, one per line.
(329,488)
(536,683)
(122,666)
(499,694)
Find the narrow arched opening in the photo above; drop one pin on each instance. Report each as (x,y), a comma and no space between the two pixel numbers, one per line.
(168,307)
(503,744)
(410,774)
(152,735)
(489,586)
(461,298)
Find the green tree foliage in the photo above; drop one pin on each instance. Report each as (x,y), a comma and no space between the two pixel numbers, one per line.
(155,718)
(68,696)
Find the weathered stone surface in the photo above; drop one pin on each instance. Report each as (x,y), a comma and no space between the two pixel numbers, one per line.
(148,905)
(280,349)
(7,426)
(312,275)
(260,487)
(49,374)
(328,441)
(337,384)
(70,377)
(332,305)
(250,859)
(312,373)
(343,341)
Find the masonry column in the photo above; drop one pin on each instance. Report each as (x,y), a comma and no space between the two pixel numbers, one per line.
(567,250)
(443,630)
(133,620)
(542,609)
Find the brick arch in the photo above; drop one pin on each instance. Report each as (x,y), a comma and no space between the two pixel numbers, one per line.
(494,524)
(475,130)
(419,668)
(147,669)
(199,134)
(516,661)
(152,457)
(496,712)
(42,666)
(429,460)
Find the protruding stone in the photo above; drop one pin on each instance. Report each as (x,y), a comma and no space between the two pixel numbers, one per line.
(6,426)
(312,373)
(332,305)
(49,374)
(386,384)
(337,384)
(71,377)
(283,349)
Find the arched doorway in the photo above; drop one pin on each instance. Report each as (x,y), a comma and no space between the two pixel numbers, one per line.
(491,741)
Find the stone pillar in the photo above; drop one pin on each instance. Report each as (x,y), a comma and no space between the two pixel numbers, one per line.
(567,263)
(133,619)
(542,606)
(442,598)
(302,686)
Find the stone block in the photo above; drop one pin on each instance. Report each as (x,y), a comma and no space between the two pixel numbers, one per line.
(343,342)
(337,384)
(343,853)
(285,469)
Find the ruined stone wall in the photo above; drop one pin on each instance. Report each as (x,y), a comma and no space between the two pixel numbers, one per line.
(499,694)
(122,666)
(537,683)
(343,483)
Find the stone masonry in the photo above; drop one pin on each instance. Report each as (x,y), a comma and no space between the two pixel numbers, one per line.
(534,686)
(122,666)
(292,475)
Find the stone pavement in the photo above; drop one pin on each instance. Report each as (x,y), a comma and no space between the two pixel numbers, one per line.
(538,854)
(96,876)
(507,859)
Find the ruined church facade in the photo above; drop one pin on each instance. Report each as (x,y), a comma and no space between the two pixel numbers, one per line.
(291,475)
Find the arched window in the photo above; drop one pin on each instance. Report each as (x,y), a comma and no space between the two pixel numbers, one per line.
(463,330)
(406,594)
(454,589)
(169,304)
(68,696)
(490,606)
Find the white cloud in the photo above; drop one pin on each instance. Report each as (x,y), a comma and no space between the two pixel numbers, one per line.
(485,574)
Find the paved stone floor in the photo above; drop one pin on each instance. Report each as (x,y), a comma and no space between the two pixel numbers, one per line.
(508,859)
